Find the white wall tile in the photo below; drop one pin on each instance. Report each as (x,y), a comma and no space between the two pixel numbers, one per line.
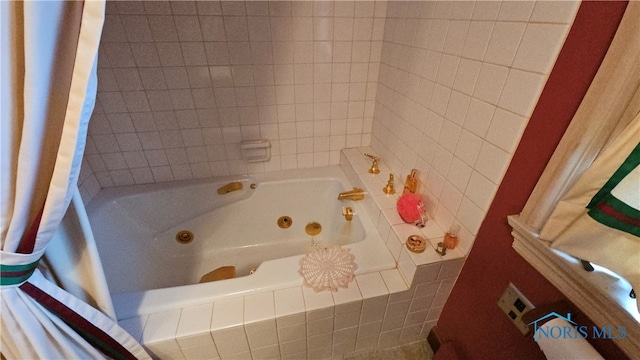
(201,352)
(208,8)
(406,266)
(486,10)
(394,281)
(320,326)
(490,82)
(113,102)
(212,28)
(521,92)
(259,307)
(492,162)
(161,326)
(459,172)
(442,160)
(504,42)
(289,301)
(466,76)
(136,28)
(169,53)
(448,139)
(322,28)
(230,341)
(477,40)
(561,12)
(118,54)
(480,190)
(163,28)
(188,28)
(293,349)
(176,77)
(371,285)
(347,295)
(466,93)
(165,349)
(447,70)
(506,129)
(455,40)
(437,35)
(236,28)
(479,117)
(184,8)
(227,314)
(302,9)
(316,300)
(195,320)
(440,99)
(291,333)
(343,29)
(261,334)
(267,352)
(152,78)
(539,47)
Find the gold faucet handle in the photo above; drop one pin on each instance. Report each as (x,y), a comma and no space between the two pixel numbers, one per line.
(372,157)
(348,213)
(389,189)
(374,167)
(411,184)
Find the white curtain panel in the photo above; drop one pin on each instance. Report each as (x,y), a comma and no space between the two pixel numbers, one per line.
(48,84)
(570,228)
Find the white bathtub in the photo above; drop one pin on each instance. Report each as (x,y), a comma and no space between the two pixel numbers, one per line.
(148,271)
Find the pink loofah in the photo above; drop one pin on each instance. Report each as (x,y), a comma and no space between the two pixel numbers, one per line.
(409,205)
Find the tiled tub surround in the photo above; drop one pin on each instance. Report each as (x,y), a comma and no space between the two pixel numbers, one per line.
(391,227)
(378,310)
(458,83)
(452,83)
(181,83)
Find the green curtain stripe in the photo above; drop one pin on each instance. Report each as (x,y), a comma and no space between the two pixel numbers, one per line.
(16,274)
(630,163)
(611,211)
(622,207)
(16,268)
(614,223)
(14,280)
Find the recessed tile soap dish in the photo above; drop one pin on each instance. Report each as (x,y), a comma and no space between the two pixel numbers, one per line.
(256,150)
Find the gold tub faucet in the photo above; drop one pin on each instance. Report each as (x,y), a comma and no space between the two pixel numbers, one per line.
(374,166)
(348,213)
(232,186)
(355,194)
(389,189)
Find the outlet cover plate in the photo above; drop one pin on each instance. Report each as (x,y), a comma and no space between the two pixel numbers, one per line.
(515,304)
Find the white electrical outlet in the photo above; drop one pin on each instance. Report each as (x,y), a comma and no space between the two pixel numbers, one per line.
(514,304)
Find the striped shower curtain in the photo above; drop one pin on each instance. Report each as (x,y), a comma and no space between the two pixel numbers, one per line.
(47,88)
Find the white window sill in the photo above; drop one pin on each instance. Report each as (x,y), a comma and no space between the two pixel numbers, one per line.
(603,297)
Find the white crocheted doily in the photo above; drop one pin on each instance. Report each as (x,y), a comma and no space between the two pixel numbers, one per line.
(328,269)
